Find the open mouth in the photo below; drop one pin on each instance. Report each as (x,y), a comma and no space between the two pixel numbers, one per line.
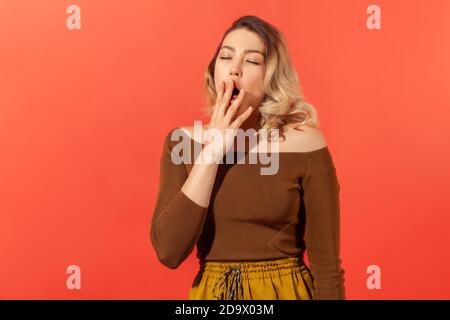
(235,93)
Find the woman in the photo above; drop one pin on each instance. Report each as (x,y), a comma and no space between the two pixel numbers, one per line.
(251,230)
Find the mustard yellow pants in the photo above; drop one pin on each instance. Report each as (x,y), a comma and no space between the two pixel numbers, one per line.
(278,279)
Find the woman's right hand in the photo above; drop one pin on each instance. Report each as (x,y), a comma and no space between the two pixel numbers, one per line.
(223,126)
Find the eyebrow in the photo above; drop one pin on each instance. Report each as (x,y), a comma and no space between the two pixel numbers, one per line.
(245,51)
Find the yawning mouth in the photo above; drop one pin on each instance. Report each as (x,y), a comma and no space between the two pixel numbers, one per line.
(235,92)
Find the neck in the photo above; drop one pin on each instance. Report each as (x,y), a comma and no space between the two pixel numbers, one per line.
(252,122)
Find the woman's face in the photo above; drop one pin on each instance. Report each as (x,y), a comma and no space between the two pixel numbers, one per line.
(241,58)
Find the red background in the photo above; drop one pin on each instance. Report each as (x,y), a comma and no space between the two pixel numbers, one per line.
(83,114)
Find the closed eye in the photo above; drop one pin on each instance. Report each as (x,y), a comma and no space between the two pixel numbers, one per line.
(224,58)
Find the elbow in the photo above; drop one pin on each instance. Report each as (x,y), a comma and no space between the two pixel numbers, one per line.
(168,259)
(329,279)
(166,255)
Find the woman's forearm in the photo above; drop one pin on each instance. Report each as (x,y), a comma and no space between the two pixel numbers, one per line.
(199,184)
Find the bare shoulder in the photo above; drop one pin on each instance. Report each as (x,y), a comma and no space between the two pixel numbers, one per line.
(304,139)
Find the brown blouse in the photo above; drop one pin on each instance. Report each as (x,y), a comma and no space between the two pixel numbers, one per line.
(252,216)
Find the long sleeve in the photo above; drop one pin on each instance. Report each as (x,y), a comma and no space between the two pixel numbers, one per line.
(177,221)
(322,233)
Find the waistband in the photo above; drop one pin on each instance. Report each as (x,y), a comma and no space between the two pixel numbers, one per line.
(230,273)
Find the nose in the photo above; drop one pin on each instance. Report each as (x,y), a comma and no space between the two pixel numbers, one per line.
(235,71)
(234,76)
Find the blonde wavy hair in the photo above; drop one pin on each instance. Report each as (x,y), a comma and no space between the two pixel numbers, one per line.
(284,102)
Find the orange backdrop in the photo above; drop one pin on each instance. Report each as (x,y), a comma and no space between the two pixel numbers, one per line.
(83,114)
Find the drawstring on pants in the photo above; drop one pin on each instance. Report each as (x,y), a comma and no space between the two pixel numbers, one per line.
(235,289)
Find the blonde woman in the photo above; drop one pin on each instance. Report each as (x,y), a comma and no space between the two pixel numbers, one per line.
(252,230)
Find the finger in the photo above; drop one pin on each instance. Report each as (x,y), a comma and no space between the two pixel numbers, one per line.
(239,120)
(219,96)
(225,101)
(220,92)
(226,97)
(235,106)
